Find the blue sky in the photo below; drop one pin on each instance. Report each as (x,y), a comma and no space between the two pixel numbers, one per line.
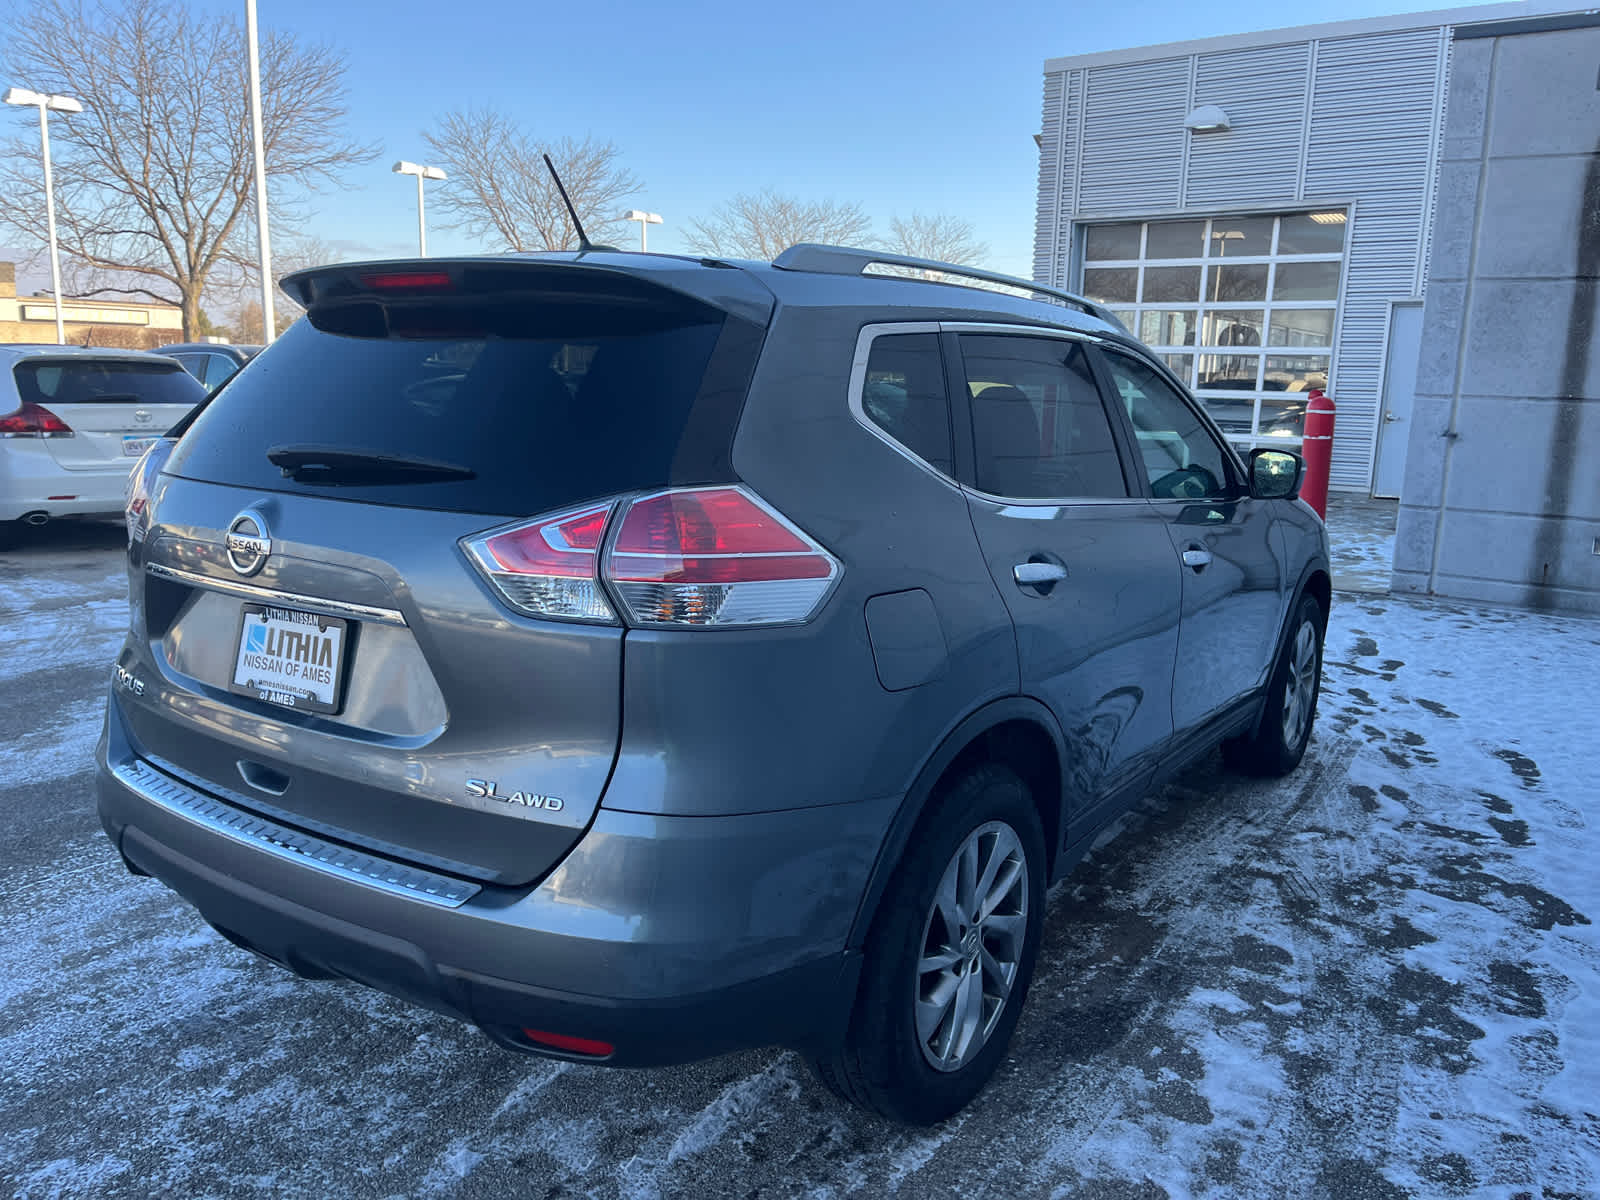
(900,107)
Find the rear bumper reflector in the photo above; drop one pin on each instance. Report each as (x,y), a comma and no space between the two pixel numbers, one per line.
(291,845)
(573,1045)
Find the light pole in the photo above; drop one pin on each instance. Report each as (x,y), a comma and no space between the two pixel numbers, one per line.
(645,219)
(47,104)
(263,242)
(410,168)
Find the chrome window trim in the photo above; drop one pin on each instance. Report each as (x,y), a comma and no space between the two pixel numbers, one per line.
(858,378)
(290,845)
(1053,501)
(1051,331)
(332,608)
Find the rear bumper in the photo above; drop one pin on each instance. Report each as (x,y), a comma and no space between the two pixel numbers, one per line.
(625,943)
(29,476)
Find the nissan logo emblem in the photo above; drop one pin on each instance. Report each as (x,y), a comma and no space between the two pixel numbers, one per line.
(248,544)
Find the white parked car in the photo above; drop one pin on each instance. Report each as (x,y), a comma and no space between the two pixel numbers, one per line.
(73,422)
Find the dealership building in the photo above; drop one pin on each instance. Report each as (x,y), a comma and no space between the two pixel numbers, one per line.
(1397,210)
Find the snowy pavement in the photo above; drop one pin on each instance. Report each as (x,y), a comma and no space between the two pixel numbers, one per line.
(1378,978)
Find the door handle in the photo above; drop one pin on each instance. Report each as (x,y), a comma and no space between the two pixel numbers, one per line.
(1197,557)
(1389,416)
(1032,574)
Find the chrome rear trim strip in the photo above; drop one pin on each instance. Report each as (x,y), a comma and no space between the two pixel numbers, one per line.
(333,608)
(290,845)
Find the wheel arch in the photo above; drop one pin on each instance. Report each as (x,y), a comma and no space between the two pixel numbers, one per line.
(1016,730)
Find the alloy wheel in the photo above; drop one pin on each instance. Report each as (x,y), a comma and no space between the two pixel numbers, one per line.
(972,944)
(1301,687)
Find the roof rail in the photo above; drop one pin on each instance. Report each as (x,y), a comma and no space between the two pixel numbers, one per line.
(847,260)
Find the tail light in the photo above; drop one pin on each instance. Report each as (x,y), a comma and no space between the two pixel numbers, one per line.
(549,567)
(715,556)
(33,421)
(691,557)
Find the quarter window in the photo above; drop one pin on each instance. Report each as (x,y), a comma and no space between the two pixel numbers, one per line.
(1181,459)
(904,395)
(1039,428)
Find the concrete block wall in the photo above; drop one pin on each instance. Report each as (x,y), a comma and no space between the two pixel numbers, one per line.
(1502,489)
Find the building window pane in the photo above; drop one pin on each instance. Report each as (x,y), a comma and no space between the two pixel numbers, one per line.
(1235,236)
(1181,365)
(1228,372)
(1237,283)
(1175,239)
(1171,285)
(1111,241)
(1125,315)
(1283,418)
(1110,285)
(1306,281)
(1312,233)
(1301,326)
(1164,327)
(1295,374)
(1234,416)
(1232,327)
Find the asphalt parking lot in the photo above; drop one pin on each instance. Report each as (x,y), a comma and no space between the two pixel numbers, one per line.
(1378,978)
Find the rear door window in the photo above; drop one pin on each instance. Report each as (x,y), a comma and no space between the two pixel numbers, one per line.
(1039,428)
(541,404)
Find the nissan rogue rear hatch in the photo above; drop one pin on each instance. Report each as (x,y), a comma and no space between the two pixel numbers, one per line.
(369,575)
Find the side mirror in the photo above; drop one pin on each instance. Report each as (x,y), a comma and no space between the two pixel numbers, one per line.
(1276,474)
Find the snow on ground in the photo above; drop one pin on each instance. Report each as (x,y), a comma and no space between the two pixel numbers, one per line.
(1377,978)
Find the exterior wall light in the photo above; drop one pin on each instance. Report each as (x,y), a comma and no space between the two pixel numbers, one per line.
(1208,118)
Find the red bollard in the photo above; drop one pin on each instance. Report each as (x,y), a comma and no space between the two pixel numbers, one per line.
(1317,450)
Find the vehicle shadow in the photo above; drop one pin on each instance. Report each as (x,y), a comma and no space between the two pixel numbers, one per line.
(20,540)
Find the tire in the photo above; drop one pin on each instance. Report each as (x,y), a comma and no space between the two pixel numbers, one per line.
(1281,737)
(886,1065)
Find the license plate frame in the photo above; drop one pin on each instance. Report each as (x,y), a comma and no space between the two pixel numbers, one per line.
(135,444)
(293,682)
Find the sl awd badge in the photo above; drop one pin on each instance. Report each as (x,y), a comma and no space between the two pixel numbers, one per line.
(488,789)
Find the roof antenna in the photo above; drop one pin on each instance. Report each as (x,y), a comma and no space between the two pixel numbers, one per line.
(584,244)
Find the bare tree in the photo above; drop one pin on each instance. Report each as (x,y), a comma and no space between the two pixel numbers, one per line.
(500,191)
(240,299)
(945,238)
(154,180)
(764,225)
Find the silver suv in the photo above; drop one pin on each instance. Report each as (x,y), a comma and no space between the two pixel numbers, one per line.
(648,657)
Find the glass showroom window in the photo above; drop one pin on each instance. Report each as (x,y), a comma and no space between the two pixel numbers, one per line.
(1241,308)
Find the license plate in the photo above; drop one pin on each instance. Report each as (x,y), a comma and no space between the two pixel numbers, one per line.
(135,444)
(291,658)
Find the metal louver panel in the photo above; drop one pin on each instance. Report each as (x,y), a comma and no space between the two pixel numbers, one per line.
(1372,133)
(1263,91)
(1133,135)
(1046,228)
(1328,122)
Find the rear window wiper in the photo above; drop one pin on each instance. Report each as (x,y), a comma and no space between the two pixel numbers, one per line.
(338,464)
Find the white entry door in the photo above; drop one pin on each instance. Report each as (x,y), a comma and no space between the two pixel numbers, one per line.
(1399,386)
